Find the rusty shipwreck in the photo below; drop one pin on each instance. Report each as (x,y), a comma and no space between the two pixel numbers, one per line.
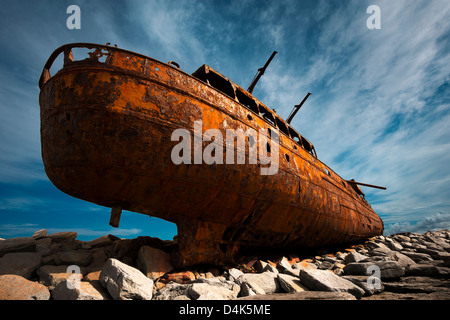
(106,125)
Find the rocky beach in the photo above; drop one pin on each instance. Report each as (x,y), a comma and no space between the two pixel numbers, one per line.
(406,266)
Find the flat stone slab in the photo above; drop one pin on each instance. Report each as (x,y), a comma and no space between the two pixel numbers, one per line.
(305,295)
(290,283)
(21,244)
(323,280)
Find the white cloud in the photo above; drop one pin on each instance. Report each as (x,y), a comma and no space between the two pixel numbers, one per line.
(438,221)
(19,203)
(168,26)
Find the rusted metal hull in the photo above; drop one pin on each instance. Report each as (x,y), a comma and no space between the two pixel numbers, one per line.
(106,138)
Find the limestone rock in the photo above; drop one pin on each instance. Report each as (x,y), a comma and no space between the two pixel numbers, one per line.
(21,263)
(182,277)
(63,236)
(213,289)
(51,276)
(124,282)
(323,280)
(260,283)
(388,269)
(100,242)
(440,242)
(43,246)
(65,246)
(77,257)
(100,255)
(22,244)
(446,259)
(325,265)
(13,287)
(93,276)
(401,238)
(426,287)
(290,283)
(260,265)
(304,264)
(393,245)
(382,252)
(304,295)
(127,249)
(354,257)
(171,291)
(284,266)
(403,260)
(375,245)
(84,291)
(385,295)
(154,262)
(249,289)
(417,256)
(428,270)
(391,269)
(434,253)
(234,274)
(270,268)
(39,234)
(368,285)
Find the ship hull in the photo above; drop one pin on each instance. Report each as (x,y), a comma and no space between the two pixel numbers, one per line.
(106,131)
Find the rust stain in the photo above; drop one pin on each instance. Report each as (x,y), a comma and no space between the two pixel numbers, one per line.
(106,123)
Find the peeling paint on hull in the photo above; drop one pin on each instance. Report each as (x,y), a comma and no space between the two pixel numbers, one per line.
(106,126)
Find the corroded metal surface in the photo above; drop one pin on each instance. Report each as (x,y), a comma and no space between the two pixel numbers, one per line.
(106,125)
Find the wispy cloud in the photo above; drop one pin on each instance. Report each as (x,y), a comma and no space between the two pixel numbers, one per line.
(27,229)
(379,110)
(19,203)
(168,27)
(372,115)
(12,230)
(438,221)
(91,232)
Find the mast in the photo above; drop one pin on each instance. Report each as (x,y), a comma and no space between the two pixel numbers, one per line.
(296,108)
(260,73)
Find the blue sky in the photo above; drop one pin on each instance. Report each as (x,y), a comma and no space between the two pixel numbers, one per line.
(379,110)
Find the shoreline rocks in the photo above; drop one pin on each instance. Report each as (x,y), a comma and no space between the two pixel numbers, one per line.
(60,267)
